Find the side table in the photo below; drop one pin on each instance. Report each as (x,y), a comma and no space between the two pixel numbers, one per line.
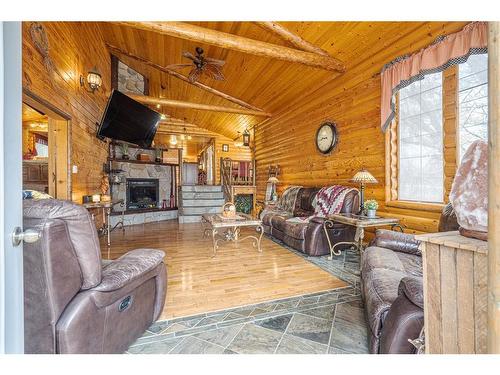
(360,222)
(106,207)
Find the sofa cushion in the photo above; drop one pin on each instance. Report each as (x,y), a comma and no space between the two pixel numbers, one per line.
(267,218)
(412,263)
(380,257)
(380,289)
(296,230)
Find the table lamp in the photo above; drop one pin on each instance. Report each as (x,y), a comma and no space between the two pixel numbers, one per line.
(273,180)
(363,177)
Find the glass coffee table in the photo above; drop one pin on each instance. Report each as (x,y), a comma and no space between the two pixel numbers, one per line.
(224,229)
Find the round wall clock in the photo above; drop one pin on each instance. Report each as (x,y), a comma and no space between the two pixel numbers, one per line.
(326,137)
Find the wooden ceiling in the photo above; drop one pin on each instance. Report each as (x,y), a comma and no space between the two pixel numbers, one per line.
(266,83)
(31,115)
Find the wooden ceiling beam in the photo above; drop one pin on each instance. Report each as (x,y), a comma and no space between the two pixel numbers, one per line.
(291,38)
(238,43)
(166,127)
(175,74)
(150,100)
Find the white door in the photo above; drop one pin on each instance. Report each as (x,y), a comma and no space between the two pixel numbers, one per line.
(11,258)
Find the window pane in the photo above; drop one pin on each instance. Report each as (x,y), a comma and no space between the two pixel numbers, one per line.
(473,101)
(421,141)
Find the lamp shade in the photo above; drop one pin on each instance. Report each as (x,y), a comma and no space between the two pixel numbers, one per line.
(364,177)
(273,180)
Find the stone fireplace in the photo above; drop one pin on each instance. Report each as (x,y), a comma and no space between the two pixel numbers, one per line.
(143,185)
(142,193)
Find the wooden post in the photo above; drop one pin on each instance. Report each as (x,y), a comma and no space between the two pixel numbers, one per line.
(494,189)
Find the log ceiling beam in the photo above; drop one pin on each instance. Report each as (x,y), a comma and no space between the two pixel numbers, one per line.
(238,43)
(175,74)
(166,127)
(291,38)
(197,106)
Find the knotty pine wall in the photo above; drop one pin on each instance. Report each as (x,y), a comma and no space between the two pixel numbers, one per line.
(75,48)
(351,100)
(234,153)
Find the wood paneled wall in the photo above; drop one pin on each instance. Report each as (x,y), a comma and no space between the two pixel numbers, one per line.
(234,153)
(351,100)
(74,48)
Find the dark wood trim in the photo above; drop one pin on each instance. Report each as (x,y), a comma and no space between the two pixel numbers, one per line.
(35,101)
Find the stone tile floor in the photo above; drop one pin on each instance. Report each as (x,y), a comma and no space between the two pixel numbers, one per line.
(328,322)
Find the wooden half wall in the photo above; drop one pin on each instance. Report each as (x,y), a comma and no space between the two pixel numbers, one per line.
(352,101)
(74,49)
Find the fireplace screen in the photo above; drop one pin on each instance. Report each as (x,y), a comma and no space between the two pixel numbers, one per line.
(142,193)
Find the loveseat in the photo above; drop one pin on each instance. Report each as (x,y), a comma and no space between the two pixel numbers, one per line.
(391,285)
(73,301)
(308,237)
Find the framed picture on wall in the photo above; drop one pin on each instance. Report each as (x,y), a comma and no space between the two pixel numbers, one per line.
(225,147)
(127,80)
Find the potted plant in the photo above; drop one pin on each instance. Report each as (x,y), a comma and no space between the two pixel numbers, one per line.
(371,207)
(158,155)
(124,151)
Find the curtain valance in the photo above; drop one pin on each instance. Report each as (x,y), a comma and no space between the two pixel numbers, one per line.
(444,52)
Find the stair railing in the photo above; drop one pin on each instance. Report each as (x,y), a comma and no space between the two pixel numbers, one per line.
(225,177)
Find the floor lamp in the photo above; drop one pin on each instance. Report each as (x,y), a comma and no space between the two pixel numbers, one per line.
(363,177)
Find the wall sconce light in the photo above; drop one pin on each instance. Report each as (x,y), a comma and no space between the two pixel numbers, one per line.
(246,138)
(93,80)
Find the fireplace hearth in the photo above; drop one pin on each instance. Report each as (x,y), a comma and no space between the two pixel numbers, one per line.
(142,193)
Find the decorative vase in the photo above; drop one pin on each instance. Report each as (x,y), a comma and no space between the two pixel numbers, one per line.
(371,213)
(158,160)
(125,157)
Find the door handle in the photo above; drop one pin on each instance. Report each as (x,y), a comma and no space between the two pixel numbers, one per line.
(30,235)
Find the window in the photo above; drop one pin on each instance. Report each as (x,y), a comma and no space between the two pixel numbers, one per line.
(420,141)
(473,101)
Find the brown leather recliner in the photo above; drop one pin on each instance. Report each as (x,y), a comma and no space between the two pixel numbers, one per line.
(391,284)
(309,237)
(75,303)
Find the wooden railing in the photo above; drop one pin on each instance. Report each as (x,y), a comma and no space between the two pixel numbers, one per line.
(225,177)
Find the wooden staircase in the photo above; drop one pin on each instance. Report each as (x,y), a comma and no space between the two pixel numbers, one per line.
(196,200)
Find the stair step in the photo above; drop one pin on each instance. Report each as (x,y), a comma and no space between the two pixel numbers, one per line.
(202,195)
(200,210)
(201,188)
(202,202)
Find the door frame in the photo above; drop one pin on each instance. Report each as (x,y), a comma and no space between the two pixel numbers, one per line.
(59,121)
(11,257)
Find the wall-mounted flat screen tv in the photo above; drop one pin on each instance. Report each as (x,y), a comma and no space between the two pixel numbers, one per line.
(128,120)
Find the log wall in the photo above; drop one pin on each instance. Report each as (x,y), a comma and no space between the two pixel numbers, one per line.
(352,101)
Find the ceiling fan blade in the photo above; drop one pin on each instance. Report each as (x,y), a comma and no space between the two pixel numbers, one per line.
(189,55)
(214,61)
(214,72)
(194,75)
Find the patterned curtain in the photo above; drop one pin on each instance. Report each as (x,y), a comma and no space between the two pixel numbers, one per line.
(446,51)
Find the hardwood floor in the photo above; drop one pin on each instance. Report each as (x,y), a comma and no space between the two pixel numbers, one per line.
(237,276)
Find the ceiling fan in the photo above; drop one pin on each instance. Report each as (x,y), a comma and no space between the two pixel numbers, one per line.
(202,65)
